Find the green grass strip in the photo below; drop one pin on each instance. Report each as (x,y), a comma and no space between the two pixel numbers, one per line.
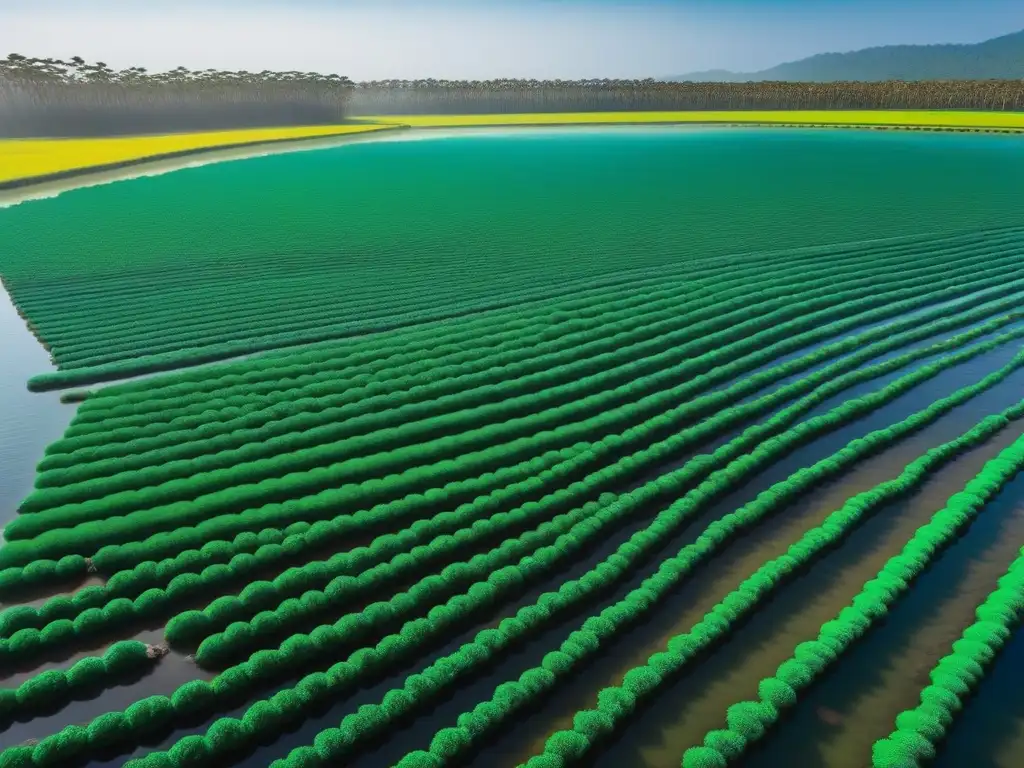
(424,338)
(616,703)
(264,546)
(517,394)
(247,631)
(326,331)
(335,744)
(158,588)
(709,294)
(178,405)
(305,308)
(215,312)
(289,323)
(240,682)
(161,336)
(134,567)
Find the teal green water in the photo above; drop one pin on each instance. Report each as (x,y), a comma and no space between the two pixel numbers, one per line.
(586,197)
(241,257)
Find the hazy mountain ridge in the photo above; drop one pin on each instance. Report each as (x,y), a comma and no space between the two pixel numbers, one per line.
(999,58)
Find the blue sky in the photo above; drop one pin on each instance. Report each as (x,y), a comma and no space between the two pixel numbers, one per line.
(478,39)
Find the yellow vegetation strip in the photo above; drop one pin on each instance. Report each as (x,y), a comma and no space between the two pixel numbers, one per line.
(854,118)
(29,161)
(25,162)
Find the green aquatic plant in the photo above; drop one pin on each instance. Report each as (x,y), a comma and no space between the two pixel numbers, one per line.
(88,537)
(891,582)
(312,522)
(55,687)
(778,692)
(919,730)
(489,643)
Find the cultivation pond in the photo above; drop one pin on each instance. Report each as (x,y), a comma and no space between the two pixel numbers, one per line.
(284,249)
(369,278)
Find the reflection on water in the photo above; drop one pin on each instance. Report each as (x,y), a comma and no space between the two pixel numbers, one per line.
(28,421)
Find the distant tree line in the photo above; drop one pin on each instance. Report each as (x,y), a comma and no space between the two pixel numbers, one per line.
(52,97)
(397,97)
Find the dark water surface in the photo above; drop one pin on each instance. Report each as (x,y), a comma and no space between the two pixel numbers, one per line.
(28,421)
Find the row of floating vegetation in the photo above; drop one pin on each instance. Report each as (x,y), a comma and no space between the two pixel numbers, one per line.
(749,721)
(494,434)
(919,730)
(320,520)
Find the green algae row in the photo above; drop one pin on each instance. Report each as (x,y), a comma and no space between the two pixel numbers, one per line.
(314,522)
(749,721)
(382,249)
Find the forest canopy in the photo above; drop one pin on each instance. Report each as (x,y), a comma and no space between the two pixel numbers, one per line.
(53,97)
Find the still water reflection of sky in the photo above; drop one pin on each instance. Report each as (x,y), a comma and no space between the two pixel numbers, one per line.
(28,421)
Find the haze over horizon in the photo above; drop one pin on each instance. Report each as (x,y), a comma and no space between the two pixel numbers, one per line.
(462,39)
